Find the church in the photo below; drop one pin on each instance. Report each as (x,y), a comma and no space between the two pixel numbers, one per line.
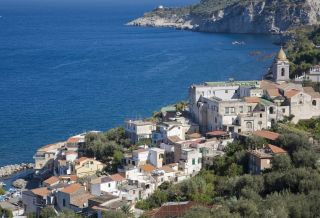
(245,106)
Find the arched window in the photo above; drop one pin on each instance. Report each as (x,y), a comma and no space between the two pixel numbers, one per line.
(283,71)
(249,125)
(314,102)
(270,110)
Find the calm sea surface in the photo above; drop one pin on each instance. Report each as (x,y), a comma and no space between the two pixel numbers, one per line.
(65,70)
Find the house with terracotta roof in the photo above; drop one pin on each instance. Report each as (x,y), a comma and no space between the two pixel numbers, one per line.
(171,209)
(261,159)
(85,166)
(35,199)
(53,180)
(268,135)
(73,197)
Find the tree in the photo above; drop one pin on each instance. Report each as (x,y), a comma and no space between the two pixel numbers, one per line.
(126,209)
(47,212)
(281,163)
(199,212)
(69,214)
(304,158)
(5,213)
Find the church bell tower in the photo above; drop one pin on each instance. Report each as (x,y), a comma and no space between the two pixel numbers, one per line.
(281,67)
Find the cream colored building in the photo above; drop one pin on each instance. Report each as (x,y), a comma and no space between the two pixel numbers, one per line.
(87,166)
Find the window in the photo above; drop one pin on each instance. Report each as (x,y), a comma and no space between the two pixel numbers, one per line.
(64,202)
(109,185)
(249,108)
(283,110)
(283,72)
(249,125)
(193,161)
(260,115)
(232,110)
(271,110)
(241,109)
(314,102)
(226,110)
(225,91)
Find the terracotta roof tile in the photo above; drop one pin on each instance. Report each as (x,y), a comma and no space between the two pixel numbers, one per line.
(273,92)
(117,177)
(41,191)
(276,149)
(195,135)
(267,134)
(71,177)
(252,99)
(217,133)
(73,140)
(291,93)
(147,168)
(51,180)
(174,138)
(171,209)
(72,188)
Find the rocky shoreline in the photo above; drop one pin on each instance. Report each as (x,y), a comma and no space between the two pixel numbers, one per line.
(14,168)
(261,17)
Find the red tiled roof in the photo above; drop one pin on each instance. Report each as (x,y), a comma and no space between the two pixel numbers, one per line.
(276,149)
(273,92)
(267,134)
(175,209)
(41,191)
(174,138)
(217,133)
(71,177)
(51,180)
(147,168)
(72,188)
(117,177)
(252,99)
(195,135)
(73,140)
(81,159)
(291,93)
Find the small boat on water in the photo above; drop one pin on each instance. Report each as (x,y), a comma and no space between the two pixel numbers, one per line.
(238,43)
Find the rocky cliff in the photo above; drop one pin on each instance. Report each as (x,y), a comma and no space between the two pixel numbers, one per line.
(236,16)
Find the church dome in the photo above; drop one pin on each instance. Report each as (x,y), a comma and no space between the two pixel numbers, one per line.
(282,55)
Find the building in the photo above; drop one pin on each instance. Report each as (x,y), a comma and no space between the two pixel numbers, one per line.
(85,166)
(35,199)
(190,161)
(139,129)
(73,197)
(156,157)
(103,184)
(313,75)
(281,67)
(171,209)
(260,159)
(45,159)
(139,157)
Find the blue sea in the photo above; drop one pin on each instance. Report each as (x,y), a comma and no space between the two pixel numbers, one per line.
(75,66)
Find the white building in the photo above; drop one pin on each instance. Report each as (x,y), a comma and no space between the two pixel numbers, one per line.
(156,157)
(190,161)
(139,129)
(103,184)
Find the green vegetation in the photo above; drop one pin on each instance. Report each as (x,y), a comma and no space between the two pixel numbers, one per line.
(5,213)
(2,191)
(290,189)
(107,147)
(47,212)
(302,52)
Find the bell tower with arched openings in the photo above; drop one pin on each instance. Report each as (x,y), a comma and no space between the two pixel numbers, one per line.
(281,67)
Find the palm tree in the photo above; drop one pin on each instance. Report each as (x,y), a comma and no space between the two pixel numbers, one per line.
(126,209)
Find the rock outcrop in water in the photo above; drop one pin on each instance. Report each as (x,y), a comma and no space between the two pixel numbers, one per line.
(11,169)
(236,16)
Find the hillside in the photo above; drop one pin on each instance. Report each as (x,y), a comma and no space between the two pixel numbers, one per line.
(235,16)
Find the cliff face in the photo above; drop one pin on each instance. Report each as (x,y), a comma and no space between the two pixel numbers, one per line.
(235,16)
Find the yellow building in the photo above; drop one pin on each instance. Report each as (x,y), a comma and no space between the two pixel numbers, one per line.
(87,166)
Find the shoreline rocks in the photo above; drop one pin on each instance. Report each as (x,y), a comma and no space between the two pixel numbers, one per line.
(14,168)
(19,183)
